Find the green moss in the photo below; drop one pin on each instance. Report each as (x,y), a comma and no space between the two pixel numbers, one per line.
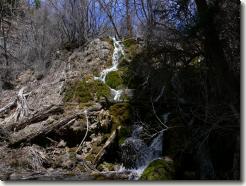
(85,91)
(72,156)
(101,89)
(158,170)
(123,134)
(71,174)
(118,79)
(90,157)
(120,113)
(96,72)
(114,80)
(95,149)
(100,177)
(195,61)
(80,168)
(105,166)
(85,105)
(126,76)
(133,51)
(129,42)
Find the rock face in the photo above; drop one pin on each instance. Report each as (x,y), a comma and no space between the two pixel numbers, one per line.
(93,58)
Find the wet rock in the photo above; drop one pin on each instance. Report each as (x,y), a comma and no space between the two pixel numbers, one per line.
(134,153)
(159,169)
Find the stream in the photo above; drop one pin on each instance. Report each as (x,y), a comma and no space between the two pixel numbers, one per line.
(117,54)
(136,154)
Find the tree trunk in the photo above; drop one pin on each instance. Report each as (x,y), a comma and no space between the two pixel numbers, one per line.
(128,19)
(227,85)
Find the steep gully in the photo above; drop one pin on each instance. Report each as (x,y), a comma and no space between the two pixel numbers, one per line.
(144,153)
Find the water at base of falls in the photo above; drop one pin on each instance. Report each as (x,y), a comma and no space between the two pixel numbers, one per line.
(136,154)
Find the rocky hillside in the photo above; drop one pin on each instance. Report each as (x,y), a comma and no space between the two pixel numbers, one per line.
(159,101)
(65,125)
(114,110)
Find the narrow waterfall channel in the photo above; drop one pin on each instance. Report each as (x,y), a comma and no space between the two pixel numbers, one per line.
(134,150)
(117,54)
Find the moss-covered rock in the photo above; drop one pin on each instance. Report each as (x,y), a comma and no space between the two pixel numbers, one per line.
(159,169)
(86,90)
(114,80)
(120,113)
(124,133)
(119,79)
(132,48)
(105,166)
(129,42)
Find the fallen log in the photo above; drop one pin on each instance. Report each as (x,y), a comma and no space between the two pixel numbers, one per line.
(37,117)
(33,131)
(8,106)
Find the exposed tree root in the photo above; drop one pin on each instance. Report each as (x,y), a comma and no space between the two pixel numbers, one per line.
(87,129)
(22,109)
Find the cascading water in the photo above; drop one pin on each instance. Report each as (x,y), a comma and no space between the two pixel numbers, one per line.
(117,54)
(136,154)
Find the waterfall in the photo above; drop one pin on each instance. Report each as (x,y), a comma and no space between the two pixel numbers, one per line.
(116,94)
(117,54)
(136,154)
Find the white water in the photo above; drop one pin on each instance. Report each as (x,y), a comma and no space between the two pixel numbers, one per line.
(145,153)
(116,94)
(117,54)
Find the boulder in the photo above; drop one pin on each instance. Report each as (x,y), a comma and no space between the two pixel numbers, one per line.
(159,169)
